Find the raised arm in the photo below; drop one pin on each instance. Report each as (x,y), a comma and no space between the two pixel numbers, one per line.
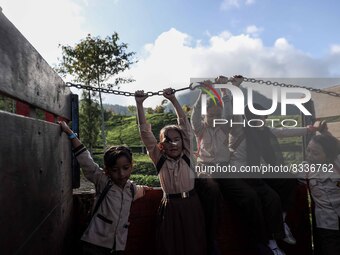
(236,129)
(140,97)
(227,112)
(66,129)
(227,99)
(146,134)
(183,121)
(299,131)
(90,169)
(170,95)
(196,116)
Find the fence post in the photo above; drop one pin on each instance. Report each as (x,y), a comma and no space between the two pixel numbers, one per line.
(75,128)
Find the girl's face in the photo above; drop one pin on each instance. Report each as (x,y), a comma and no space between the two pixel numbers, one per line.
(173,144)
(120,172)
(315,153)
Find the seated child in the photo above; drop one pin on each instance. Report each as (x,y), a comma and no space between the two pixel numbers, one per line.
(108,228)
(324,186)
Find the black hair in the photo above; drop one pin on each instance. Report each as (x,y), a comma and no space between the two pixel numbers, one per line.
(329,144)
(113,153)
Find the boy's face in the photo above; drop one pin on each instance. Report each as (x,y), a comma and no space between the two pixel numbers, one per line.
(120,172)
(315,153)
(172,144)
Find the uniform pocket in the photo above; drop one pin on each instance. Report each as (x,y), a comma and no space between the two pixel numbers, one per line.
(106,220)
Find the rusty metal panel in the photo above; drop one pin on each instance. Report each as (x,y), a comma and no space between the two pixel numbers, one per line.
(325,105)
(36,186)
(25,75)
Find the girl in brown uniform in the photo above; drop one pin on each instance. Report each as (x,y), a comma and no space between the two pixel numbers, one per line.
(181,225)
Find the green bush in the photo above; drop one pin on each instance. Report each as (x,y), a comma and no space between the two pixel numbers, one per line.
(141,164)
(144,168)
(149,180)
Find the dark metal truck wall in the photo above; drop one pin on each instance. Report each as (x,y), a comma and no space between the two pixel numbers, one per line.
(35,159)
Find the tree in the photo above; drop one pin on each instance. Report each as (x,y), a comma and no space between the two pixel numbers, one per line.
(132,109)
(159,109)
(149,110)
(93,61)
(108,114)
(89,130)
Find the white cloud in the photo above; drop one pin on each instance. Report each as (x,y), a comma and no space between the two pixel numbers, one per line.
(335,49)
(253,30)
(230,4)
(249,2)
(172,59)
(281,44)
(47,23)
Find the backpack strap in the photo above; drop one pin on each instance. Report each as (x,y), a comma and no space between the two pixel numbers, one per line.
(132,189)
(161,162)
(101,197)
(187,160)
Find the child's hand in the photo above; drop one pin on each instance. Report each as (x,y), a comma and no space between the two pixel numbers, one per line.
(221,80)
(320,126)
(147,188)
(140,96)
(64,127)
(236,80)
(206,83)
(169,94)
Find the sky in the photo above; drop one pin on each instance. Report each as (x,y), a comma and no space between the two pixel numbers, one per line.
(181,39)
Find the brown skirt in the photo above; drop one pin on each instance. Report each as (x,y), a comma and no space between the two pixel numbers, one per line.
(181,227)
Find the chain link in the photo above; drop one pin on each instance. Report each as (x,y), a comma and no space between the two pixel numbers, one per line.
(191,87)
(275,83)
(119,92)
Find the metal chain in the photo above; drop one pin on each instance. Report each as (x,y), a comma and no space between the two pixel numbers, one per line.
(191,87)
(119,92)
(330,93)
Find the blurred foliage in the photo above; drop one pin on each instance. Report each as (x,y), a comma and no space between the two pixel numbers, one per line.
(141,163)
(149,180)
(89,120)
(7,104)
(143,173)
(124,129)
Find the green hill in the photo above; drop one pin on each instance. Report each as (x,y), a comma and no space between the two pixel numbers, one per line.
(124,129)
